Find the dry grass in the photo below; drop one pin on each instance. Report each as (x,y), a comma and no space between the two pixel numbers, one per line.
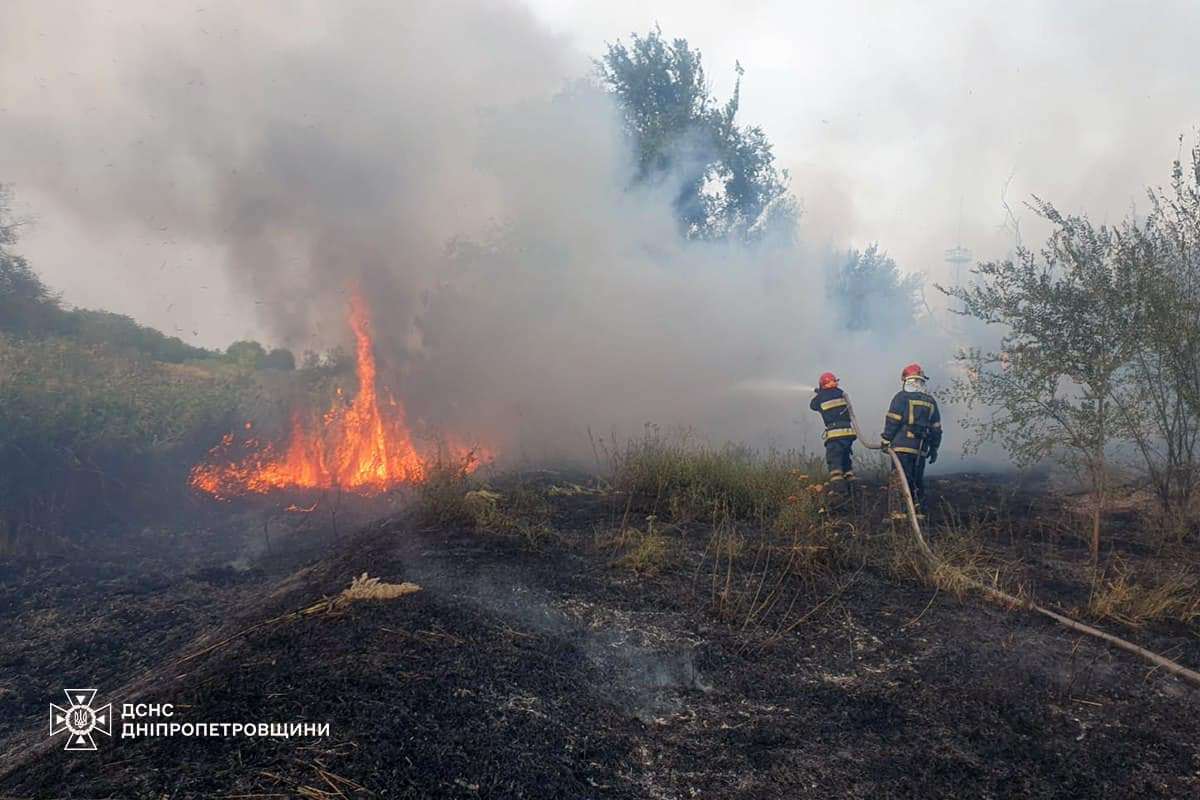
(677,475)
(365,587)
(651,554)
(647,552)
(449,497)
(1173,526)
(963,561)
(1119,595)
(442,499)
(523,513)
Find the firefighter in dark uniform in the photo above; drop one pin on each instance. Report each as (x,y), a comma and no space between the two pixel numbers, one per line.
(834,408)
(913,429)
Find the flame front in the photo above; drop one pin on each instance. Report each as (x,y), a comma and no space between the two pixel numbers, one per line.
(353,446)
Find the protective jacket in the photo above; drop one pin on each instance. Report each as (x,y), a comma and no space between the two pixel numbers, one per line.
(913,424)
(835,413)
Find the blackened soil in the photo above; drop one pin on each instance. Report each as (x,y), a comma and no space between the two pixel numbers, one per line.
(546,671)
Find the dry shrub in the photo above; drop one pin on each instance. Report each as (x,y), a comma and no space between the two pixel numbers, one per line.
(527,501)
(799,512)
(766,584)
(1175,596)
(826,549)
(450,497)
(652,554)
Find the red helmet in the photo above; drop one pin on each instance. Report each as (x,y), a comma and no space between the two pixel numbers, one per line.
(827,380)
(913,371)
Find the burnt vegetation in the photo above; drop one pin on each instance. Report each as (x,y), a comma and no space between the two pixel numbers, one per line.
(689,619)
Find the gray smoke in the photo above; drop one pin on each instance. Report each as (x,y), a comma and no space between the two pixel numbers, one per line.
(441,158)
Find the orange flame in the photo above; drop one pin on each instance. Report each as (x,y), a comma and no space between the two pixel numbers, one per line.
(355,447)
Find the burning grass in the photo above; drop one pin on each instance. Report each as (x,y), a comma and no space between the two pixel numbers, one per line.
(363,445)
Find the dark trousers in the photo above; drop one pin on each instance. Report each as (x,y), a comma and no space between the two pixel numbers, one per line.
(839,458)
(914,474)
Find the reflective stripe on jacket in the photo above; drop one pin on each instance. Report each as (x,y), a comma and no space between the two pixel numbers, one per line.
(834,409)
(913,423)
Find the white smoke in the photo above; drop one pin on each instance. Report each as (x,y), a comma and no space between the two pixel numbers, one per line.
(439,156)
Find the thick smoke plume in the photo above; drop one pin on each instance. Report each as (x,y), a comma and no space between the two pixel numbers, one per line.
(443,159)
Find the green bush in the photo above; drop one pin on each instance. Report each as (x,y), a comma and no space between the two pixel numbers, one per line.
(278,358)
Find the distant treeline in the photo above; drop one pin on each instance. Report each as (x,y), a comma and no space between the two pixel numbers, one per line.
(29,309)
(100,417)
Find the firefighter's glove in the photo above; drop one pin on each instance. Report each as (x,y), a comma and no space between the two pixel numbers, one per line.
(932,456)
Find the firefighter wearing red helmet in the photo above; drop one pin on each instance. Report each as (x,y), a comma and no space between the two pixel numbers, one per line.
(913,429)
(831,403)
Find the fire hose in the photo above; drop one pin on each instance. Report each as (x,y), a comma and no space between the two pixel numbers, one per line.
(1004,598)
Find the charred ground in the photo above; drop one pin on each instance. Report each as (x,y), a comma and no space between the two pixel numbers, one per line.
(596,645)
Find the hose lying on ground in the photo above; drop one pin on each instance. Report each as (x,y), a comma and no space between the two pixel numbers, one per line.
(1005,598)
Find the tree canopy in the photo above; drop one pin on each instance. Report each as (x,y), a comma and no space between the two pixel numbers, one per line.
(1099,346)
(728,182)
(870,292)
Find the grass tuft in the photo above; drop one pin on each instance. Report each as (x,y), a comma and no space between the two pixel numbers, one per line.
(646,553)
(449,497)
(675,474)
(442,500)
(1174,597)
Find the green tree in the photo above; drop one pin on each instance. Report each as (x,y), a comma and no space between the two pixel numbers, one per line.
(870,291)
(26,304)
(105,327)
(1163,408)
(279,358)
(729,184)
(246,353)
(1071,318)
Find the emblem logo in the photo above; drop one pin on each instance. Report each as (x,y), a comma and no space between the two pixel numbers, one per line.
(80,719)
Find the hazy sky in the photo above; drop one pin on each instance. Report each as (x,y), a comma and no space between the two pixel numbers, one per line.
(900,122)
